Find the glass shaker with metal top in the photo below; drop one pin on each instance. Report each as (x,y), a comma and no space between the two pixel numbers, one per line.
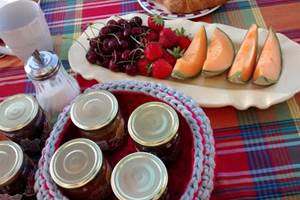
(55,88)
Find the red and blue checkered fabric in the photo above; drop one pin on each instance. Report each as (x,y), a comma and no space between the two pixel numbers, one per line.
(257,150)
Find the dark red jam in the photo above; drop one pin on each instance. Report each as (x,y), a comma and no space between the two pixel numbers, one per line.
(24,122)
(166,152)
(153,127)
(80,170)
(98,117)
(22,181)
(98,189)
(109,137)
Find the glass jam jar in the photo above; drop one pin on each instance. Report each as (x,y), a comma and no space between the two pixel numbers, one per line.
(23,121)
(1,44)
(16,172)
(98,116)
(140,176)
(154,128)
(80,170)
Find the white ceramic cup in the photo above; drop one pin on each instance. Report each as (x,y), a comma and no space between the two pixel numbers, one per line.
(23,28)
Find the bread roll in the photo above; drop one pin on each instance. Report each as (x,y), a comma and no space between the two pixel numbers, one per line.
(187,6)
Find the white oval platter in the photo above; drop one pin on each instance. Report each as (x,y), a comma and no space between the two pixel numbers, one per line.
(208,92)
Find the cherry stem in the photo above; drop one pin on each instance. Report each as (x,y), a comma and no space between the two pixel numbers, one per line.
(112,34)
(98,43)
(122,62)
(145,33)
(77,42)
(134,52)
(115,25)
(115,56)
(134,39)
(99,53)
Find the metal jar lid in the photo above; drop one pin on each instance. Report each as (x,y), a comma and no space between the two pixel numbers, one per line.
(17,112)
(153,124)
(42,65)
(76,163)
(94,110)
(11,160)
(139,176)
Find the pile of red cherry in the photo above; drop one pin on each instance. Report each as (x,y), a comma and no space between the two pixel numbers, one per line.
(131,47)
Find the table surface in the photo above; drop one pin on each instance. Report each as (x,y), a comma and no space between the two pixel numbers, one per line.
(257,150)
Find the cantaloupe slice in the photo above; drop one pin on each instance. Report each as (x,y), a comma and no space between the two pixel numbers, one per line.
(269,65)
(192,61)
(244,62)
(220,54)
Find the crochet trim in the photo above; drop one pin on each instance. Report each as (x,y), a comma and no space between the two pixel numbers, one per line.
(201,183)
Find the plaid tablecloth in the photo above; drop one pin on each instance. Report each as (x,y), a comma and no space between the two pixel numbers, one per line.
(258,151)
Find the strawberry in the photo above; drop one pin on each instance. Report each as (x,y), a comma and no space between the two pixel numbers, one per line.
(169,58)
(168,38)
(161,69)
(152,36)
(143,66)
(156,23)
(183,39)
(153,51)
(184,42)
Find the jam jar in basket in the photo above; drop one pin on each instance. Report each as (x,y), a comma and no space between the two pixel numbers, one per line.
(98,116)
(23,121)
(154,128)
(140,175)
(80,170)
(16,172)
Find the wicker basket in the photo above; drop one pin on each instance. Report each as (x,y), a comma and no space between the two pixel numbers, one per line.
(196,163)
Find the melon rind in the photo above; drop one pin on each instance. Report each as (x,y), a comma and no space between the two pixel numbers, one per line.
(206,73)
(210,73)
(237,76)
(178,75)
(263,80)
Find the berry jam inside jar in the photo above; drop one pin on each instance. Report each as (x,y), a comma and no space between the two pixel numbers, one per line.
(140,175)
(154,127)
(1,44)
(80,170)
(16,171)
(98,117)
(23,121)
